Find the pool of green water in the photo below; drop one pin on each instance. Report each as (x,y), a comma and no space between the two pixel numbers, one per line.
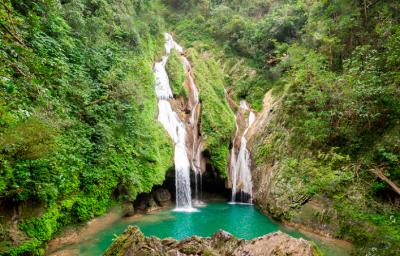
(243,221)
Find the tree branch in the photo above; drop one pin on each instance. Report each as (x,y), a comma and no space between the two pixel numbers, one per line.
(12,35)
(392,184)
(9,13)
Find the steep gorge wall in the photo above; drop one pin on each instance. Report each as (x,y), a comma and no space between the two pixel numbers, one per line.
(277,193)
(308,191)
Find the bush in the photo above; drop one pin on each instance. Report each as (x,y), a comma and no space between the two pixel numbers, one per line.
(176,74)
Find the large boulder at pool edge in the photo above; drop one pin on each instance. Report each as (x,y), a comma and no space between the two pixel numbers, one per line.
(132,242)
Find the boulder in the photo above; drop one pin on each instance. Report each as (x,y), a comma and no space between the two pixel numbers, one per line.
(162,196)
(127,209)
(277,243)
(142,203)
(132,242)
(148,202)
(152,205)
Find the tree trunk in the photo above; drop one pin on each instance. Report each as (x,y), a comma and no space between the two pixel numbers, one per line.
(379,174)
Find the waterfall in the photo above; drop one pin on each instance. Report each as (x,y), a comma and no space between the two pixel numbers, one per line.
(232,164)
(194,104)
(240,163)
(185,157)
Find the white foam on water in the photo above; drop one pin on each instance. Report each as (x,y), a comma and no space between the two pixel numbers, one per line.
(185,209)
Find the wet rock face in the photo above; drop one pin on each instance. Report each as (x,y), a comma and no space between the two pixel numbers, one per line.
(155,200)
(127,209)
(133,243)
(162,196)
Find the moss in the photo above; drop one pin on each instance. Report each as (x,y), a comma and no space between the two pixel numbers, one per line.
(44,226)
(217,119)
(131,235)
(176,74)
(316,250)
(28,247)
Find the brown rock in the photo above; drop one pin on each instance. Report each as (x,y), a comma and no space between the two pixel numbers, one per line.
(273,192)
(133,242)
(145,203)
(142,202)
(277,243)
(127,209)
(162,196)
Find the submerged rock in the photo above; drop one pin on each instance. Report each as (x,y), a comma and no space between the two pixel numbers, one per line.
(132,243)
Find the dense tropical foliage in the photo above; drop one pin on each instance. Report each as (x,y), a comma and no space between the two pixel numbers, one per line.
(77,112)
(333,67)
(78,108)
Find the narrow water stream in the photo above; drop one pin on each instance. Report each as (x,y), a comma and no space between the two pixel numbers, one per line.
(240,164)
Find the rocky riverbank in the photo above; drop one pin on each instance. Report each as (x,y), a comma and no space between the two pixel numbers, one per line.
(133,242)
(157,199)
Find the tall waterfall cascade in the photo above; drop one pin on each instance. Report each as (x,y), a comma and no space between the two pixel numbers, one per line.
(184,133)
(194,104)
(240,162)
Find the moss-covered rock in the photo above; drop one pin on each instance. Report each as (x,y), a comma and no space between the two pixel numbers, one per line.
(176,74)
(133,242)
(217,119)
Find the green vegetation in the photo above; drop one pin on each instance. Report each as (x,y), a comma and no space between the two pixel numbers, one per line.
(77,111)
(217,120)
(78,108)
(333,66)
(176,74)
(341,103)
